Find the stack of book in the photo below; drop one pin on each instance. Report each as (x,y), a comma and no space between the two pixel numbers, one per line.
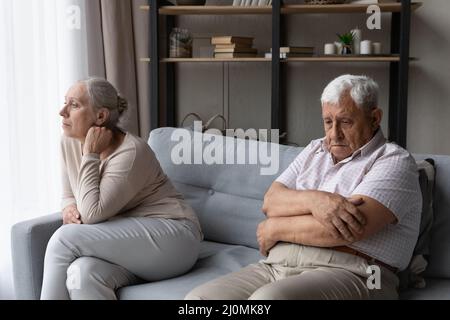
(233,47)
(292,52)
(252,3)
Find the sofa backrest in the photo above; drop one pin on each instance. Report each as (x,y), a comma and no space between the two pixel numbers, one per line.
(228,197)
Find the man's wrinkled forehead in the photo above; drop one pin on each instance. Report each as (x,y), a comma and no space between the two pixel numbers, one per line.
(340,109)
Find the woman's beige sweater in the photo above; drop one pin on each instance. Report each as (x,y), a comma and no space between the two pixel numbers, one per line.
(128,183)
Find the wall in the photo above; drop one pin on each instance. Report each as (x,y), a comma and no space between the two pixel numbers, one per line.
(429,91)
(241,91)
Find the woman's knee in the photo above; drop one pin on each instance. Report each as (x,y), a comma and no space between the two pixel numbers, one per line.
(66,234)
(79,273)
(83,279)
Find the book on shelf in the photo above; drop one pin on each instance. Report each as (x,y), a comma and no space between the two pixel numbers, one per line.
(232,46)
(232,39)
(234,55)
(305,50)
(241,49)
(251,3)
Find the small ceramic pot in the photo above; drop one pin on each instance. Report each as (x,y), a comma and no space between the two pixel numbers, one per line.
(346,49)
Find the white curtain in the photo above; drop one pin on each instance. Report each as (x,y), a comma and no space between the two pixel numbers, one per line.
(43,49)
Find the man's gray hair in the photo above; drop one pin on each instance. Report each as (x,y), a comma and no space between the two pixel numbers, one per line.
(362,89)
(102,94)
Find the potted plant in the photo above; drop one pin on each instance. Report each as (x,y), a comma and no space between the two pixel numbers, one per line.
(347,41)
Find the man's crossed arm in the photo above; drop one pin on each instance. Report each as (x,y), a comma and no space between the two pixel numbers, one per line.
(318,218)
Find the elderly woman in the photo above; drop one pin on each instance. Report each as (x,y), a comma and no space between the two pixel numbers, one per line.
(124,222)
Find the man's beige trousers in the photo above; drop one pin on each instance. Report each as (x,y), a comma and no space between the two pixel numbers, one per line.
(293,272)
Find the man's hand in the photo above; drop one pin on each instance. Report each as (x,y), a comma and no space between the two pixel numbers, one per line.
(71,215)
(340,216)
(264,237)
(97,140)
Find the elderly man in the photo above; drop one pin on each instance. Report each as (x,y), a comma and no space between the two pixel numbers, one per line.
(348,205)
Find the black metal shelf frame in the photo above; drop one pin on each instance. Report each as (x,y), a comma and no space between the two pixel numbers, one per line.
(398,79)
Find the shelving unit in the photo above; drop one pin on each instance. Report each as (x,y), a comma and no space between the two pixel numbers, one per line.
(398,60)
(287,9)
(384,58)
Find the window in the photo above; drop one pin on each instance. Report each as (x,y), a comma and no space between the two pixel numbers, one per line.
(42,52)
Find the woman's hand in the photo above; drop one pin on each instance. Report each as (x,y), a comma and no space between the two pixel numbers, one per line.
(97,140)
(71,215)
(265,240)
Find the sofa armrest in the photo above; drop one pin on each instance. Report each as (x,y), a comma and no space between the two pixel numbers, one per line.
(28,244)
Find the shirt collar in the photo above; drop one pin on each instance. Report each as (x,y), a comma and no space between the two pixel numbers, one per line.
(377,140)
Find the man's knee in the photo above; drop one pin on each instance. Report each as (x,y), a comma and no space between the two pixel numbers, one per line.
(193,296)
(269,292)
(202,292)
(214,290)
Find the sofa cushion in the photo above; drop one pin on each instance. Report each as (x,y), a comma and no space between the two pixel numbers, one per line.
(439,258)
(224,217)
(412,276)
(216,259)
(427,182)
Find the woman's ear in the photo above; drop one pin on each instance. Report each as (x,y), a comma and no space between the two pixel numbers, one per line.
(102,117)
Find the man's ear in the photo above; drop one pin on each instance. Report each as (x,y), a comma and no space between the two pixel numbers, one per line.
(376,116)
(102,117)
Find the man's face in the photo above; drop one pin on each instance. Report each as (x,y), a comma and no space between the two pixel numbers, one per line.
(347,127)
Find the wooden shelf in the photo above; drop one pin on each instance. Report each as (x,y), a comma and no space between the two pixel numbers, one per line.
(203,10)
(287,9)
(343,8)
(255,59)
(386,58)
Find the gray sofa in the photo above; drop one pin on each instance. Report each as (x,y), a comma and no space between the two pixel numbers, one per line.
(227,199)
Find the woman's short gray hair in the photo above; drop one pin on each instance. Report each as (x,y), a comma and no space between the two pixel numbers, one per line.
(362,89)
(102,94)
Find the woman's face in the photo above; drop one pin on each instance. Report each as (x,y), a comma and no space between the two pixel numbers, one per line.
(78,115)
